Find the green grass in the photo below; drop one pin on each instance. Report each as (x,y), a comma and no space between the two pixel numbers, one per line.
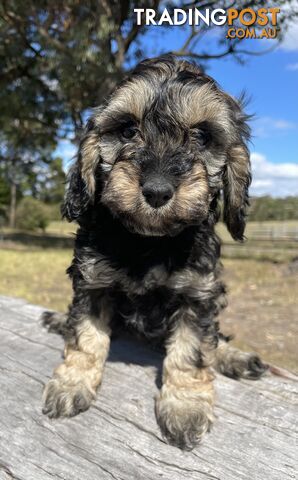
(36,275)
(61,228)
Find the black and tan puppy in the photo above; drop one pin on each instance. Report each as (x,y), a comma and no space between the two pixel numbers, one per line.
(144,190)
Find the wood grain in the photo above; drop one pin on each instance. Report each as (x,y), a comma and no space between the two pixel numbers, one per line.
(253,438)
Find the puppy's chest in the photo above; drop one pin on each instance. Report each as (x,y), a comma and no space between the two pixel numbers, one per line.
(100,273)
(148,313)
(147,301)
(144,301)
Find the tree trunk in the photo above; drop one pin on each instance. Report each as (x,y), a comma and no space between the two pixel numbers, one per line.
(13,204)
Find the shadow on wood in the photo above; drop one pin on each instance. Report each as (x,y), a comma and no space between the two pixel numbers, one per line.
(253,437)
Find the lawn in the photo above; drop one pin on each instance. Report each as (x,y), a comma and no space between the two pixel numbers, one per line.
(263,308)
(36,275)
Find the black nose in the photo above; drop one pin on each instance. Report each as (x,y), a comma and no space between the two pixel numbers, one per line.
(157,193)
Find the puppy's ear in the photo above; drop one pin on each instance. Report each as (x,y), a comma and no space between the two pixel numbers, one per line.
(81,181)
(237,177)
(77,197)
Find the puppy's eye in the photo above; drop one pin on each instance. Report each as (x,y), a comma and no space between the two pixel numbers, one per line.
(129,131)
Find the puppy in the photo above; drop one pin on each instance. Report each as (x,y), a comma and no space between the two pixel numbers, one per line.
(145,191)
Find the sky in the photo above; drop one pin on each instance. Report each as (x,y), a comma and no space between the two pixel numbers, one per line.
(271,83)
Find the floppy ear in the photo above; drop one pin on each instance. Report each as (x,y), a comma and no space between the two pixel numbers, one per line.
(237,178)
(77,196)
(237,175)
(81,181)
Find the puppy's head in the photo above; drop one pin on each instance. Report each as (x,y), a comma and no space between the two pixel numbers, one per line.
(157,154)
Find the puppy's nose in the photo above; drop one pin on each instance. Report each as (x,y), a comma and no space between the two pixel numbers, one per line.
(157,194)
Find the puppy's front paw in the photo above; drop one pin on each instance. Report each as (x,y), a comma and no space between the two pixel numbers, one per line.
(61,399)
(183,417)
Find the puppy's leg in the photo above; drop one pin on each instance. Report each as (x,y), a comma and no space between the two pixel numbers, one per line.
(184,407)
(55,322)
(74,383)
(235,363)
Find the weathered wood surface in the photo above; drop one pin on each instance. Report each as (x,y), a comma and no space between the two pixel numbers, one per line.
(253,437)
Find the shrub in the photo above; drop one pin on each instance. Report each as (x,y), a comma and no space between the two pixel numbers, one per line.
(32,214)
(54,212)
(268,208)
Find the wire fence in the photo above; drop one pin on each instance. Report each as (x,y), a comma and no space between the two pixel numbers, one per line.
(273,233)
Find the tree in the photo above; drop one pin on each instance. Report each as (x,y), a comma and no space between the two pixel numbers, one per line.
(51,183)
(4,197)
(20,158)
(268,208)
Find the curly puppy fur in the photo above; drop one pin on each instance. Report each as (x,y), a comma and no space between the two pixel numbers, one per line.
(144,190)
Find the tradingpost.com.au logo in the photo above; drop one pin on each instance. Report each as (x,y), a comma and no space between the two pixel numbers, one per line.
(245,23)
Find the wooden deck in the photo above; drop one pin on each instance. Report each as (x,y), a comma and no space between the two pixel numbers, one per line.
(252,439)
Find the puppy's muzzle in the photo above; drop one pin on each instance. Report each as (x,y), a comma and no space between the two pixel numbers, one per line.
(157,192)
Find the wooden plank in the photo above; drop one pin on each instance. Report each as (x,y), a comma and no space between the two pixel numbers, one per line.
(253,437)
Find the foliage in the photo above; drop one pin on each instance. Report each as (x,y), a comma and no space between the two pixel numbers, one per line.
(4,194)
(32,214)
(268,208)
(51,183)
(24,270)
(54,212)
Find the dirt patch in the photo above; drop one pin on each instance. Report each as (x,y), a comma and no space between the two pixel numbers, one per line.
(263,309)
